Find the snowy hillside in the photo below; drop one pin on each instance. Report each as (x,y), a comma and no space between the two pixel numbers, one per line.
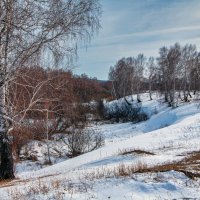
(155,159)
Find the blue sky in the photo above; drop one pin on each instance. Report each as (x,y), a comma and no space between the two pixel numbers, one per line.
(130,27)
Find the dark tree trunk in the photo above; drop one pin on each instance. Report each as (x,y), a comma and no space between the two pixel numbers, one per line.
(150,95)
(138,98)
(128,103)
(6,167)
(166,97)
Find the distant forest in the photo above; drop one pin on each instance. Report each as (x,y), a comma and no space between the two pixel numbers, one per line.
(175,73)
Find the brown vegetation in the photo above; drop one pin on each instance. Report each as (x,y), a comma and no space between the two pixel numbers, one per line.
(53,97)
(135,151)
(189,166)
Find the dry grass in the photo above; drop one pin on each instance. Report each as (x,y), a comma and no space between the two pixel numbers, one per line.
(9,182)
(36,190)
(4,182)
(120,171)
(58,189)
(135,151)
(190,166)
(123,170)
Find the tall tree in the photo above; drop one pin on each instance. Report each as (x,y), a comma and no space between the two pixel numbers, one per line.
(121,75)
(138,74)
(151,73)
(29,32)
(188,62)
(174,56)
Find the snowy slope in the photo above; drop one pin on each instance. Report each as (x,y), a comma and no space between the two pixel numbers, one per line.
(170,135)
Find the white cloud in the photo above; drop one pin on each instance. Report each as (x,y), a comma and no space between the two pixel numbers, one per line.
(132,26)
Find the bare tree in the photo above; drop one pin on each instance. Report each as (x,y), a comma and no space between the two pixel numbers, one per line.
(169,66)
(81,141)
(163,71)
(174,56)
(138,74)
(151,73)
(196,73)
(29,32)
(127,76)
(121,75)
(188,61)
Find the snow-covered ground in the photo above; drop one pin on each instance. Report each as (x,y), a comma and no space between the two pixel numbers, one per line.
(169,135)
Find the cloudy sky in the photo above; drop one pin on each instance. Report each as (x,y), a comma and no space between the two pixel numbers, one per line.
(130,27)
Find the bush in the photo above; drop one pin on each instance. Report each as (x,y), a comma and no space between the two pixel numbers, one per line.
(81,141)
(32,130)
(122,111)
(20,136)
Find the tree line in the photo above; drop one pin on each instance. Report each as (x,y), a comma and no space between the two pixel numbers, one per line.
(175,73)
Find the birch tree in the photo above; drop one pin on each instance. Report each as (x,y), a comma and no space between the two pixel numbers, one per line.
(121,77)
(151,71)
(188,61)
(31,31)
(138,74)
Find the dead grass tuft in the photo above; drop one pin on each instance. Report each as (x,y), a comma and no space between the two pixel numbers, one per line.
(135,151)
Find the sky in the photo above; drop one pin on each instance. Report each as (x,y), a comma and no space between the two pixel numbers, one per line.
(130,27)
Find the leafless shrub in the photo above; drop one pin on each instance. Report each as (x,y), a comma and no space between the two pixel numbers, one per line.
(125,111)
(20,137)
(82,141)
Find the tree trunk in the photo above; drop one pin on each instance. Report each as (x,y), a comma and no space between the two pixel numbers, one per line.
(166,92)
(138,98)
(173,93)
(150,95)
(47,137)
(188,94)
(138,95)
(6,167)
(113,89)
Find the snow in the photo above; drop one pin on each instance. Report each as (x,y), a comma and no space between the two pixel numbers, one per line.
(169,133)
(38,151)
